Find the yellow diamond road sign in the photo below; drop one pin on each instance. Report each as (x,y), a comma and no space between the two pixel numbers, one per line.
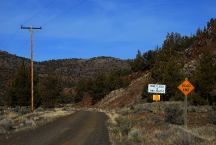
(186,87)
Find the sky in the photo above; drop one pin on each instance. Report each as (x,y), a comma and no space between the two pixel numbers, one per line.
(91,28)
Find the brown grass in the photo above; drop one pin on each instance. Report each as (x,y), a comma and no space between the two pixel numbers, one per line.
(149,128)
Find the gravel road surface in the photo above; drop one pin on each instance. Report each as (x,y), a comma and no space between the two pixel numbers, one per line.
(81,128)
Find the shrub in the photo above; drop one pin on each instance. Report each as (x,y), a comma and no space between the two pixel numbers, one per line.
(24,110)
(135,135)
(174,115)
(124,125)
(39,109)
(183,139)
(50,91)
(196,99)
(6,125)
(212,116)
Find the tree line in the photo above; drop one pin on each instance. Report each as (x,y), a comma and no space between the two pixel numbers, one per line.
(183,57)
(48,88)
(100,86)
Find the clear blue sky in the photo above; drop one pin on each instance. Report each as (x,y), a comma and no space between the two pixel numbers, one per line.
(89,28)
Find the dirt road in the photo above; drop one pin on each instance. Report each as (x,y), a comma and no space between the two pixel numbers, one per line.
(81,128)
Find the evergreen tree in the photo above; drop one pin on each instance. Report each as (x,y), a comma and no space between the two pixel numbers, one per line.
(50,91)
(170,74)
(172,77)
(19,93)
(82,87)
(149,59)
(101,85)
(205,76)
(138,63)
(99,88)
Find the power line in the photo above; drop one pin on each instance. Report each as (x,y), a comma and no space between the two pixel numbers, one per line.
(80,2)
(13,34)
(39,11)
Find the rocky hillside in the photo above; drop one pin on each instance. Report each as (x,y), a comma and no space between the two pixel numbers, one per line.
(126,96)
(70,70)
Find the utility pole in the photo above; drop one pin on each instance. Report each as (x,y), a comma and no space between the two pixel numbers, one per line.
(31,63)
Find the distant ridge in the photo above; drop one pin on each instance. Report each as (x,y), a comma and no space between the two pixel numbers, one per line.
(70,70)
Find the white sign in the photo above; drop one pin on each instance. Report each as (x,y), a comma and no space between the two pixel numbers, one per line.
(157,89)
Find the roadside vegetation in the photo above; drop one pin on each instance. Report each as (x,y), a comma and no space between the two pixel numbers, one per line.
(20,118)
(153,124)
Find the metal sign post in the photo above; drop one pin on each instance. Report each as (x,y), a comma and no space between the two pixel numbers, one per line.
(186,88)
(185,112)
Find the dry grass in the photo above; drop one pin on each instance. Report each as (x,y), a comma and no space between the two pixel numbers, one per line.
(15,121)
(140,125)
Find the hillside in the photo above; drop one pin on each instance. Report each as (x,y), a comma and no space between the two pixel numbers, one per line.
(83,68)
(126,96)
(179,57)
(69,70)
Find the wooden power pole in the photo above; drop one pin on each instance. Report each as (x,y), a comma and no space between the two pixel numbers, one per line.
(31,63)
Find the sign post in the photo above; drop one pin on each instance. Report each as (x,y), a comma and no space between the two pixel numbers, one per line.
(186,88)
